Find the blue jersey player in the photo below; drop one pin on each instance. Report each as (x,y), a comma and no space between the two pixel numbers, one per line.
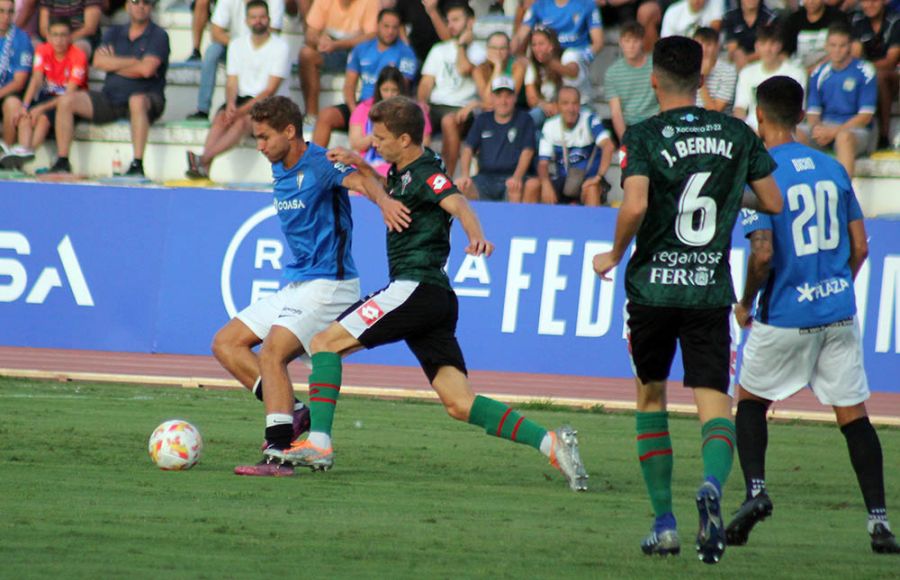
(310,197)
(804,332)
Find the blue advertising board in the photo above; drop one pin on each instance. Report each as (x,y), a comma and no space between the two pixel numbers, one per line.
(159,270)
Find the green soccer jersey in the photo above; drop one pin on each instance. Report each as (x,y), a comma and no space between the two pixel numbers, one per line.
(698,163)
(420,252)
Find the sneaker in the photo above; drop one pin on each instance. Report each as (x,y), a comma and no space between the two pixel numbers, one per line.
(883,143)
(266,468)
(711,537)
(195,56)
(195,167)
(17,157)
(198,116)
(136,169)
(750,513)
(883,541)
(663,543)
(61,166)
(564,456)
(305,454)
(301,425)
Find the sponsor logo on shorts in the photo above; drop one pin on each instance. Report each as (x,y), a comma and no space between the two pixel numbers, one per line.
(817,329)
(287,312)
(370,312)
(439,183)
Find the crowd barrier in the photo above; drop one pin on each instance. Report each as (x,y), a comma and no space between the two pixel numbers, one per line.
(159,270)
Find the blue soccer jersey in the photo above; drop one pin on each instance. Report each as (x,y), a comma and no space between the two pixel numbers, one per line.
(366,60)
(572,147)
(838,95)
(810,283)
(314,211)
(572,23)
(17,57)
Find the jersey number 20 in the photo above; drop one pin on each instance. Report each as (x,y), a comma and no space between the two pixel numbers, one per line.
(693,229)
(824,233)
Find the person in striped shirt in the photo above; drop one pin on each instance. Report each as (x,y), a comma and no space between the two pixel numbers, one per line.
(719,75)
(627,82)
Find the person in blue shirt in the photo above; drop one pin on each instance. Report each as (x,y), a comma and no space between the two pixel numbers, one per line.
(16,54)
(843,93)
(504,140)
(313,208)
(363,65)
(804,332)
(577,23)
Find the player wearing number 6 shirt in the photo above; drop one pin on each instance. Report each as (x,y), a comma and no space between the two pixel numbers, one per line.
(418,306)
(684,173)
(805,333)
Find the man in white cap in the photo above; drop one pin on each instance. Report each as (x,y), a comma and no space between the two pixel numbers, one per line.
(504,140)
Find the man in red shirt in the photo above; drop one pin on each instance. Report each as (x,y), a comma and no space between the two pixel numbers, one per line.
(60,67)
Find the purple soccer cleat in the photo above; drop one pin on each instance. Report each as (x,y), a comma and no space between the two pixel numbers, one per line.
(301,425)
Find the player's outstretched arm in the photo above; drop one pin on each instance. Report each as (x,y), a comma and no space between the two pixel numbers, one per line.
(768,196)
(758,265)
(457,206)
(631,214)
(859,245)
(368,182)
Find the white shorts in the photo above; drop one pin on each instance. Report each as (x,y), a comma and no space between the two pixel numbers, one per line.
(778,362)
(305,308)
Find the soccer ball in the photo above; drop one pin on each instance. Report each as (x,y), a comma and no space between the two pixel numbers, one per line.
(175,445)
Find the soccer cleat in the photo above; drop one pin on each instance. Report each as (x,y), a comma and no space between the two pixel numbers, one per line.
(304,454)
(750,513)
(564,456)
(883,541)
(664,543)
(265,468)
(711,536)
(301,425)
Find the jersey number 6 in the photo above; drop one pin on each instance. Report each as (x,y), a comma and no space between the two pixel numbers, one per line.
(693,229)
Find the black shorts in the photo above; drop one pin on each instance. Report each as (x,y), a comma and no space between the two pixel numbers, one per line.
(423,315)
(237,102)
(105,111)
(438,112)
(704,335)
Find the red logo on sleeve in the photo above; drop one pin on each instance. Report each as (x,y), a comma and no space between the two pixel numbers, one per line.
(623,158)
(370,312)
(439,183)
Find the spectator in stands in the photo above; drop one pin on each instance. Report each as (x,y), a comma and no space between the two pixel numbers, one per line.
(425,21)
(772,62)
(580,150)
(15,65)
(577,24)
(499,63)
(504,141)
(84,16)
(719,75)
(740,25)
(200,13)
(229,21)
(627,82)
(365,62)
(258,66)
(447,86)
(876,33)
(685,16)
(646,12)
(551,68)
(135,57)
(27,17)
(841,100)
(60,67)
(333,28)
(806,30)
(391,83)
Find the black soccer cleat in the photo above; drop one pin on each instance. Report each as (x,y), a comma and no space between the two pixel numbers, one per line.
(711,536)
(883,541)
(750,513)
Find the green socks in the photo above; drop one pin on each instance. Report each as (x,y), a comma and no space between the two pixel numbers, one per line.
(501,421)
(324,388)
(655,452)
(718,449)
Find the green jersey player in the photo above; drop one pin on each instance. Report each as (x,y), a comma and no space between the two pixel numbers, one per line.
(684,174)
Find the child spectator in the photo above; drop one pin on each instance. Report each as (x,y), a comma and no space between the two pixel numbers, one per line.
(841,101)
(365,62)
(60,67)
(333,28)
(719,76)
(504,141)
(580,151)
(740,25)
(391,83)
(685,16)
(258,66)
(876,33)
(135,57)
(551,68)
(84,16)
(627,82)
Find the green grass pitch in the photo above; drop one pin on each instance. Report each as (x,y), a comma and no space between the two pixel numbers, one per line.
(413,495)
